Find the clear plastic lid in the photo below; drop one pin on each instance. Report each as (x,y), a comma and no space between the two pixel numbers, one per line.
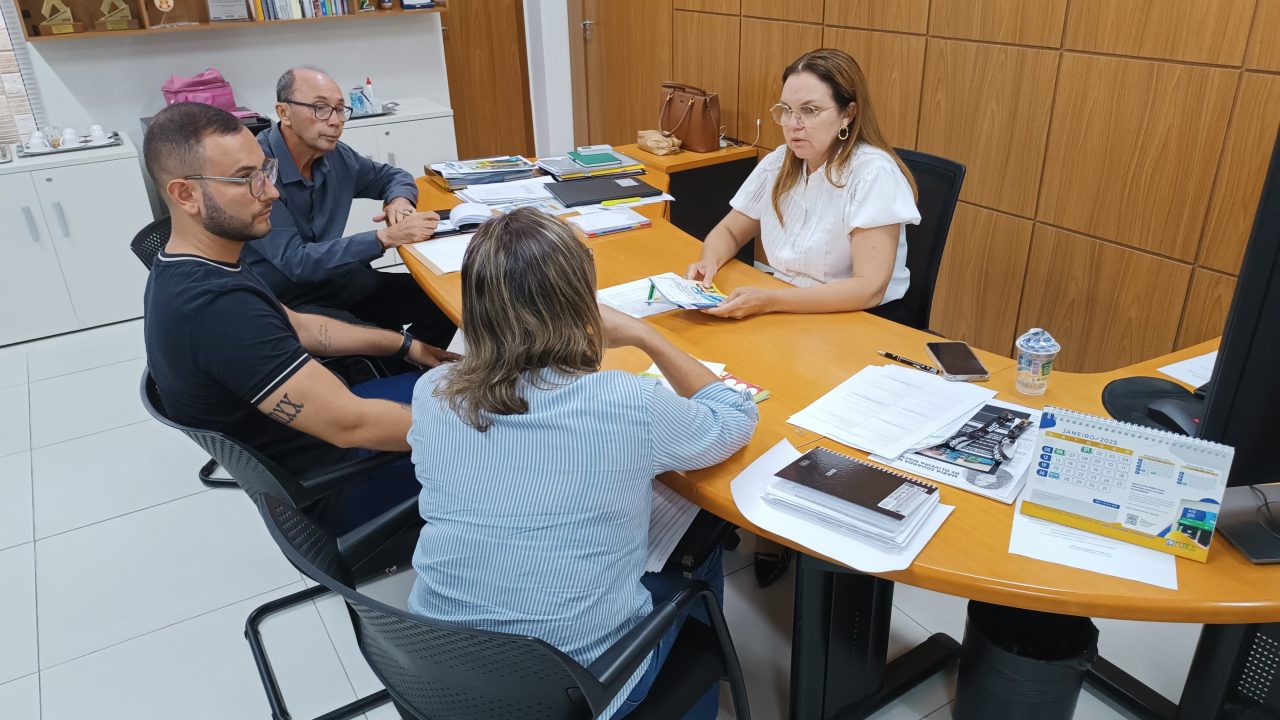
(1038,340)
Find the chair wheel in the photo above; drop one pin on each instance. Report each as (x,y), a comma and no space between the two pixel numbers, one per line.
(731,541)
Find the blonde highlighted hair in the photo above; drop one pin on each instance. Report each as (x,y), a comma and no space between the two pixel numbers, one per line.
(842,75)
(528,305)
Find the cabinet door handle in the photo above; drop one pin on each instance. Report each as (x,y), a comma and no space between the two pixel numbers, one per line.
(391,159)
(62,219)
(31,223)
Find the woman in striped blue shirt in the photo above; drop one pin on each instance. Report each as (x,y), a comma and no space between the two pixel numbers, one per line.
(536,465)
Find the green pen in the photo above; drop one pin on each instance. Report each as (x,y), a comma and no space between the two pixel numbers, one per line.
(652,287)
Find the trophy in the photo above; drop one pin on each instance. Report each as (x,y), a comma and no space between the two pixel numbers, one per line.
(116,15)
(57,19)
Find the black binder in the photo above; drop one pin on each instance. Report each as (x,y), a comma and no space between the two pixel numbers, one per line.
(597,190)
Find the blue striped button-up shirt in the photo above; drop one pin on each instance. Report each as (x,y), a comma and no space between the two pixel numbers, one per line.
(539,526)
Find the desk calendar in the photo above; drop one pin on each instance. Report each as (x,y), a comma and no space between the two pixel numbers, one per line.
(1144,486)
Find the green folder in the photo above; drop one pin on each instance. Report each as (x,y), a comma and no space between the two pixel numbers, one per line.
(594,159)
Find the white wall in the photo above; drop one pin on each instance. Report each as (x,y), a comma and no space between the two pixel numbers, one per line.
(546,25)
(116,81)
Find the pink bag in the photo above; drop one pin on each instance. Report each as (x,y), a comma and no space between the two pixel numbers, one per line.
(209,87)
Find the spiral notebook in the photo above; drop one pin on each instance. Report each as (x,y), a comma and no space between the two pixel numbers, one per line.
(847,494)
(1145,486)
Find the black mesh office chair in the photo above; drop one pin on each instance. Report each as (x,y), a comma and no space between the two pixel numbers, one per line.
(938,181)
(438,671)
(150,240)
(378,547)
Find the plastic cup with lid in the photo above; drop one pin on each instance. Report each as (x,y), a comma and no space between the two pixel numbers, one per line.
(1036,351)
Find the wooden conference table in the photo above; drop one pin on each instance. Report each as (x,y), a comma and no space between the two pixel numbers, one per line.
(799,358)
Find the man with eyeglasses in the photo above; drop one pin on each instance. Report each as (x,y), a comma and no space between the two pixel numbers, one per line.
(227,356)
(305,259)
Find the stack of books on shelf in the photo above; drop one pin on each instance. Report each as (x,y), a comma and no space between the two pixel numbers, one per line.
(591,162)
(458,174)
(874,505)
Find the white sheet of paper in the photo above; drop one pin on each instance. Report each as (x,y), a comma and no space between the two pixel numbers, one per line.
(1062,545)
(748,489)
(888,410)
(1194,371)
(670,515)
(444,253)
(633,299)
(653,371)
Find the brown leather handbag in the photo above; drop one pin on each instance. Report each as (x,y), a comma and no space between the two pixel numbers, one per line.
(691,114)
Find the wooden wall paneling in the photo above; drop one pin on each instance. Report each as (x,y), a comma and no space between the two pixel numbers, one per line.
(724,7)
(894,66)
(1264,41)
(1131,147)
(1108,305)
(627,59)
(807,11)
(770,47)
(490,101)
(704,52)
(1192,30)
(980,281)
(988,106)
(1021,22)
(911,16)
(1244,166)
(1207,305)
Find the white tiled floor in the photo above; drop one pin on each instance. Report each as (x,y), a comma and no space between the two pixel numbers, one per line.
(138,578)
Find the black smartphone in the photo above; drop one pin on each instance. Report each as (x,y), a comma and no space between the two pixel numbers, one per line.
(956,361)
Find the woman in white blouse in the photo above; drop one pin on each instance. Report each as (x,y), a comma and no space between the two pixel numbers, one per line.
(830,206)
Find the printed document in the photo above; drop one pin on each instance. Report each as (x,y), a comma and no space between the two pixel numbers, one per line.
(1194,371)
(888,410)
(670,516)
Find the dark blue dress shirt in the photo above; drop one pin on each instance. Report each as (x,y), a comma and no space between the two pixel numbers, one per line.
(306,245)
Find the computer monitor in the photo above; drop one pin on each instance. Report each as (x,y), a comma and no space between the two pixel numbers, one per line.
(1240,406)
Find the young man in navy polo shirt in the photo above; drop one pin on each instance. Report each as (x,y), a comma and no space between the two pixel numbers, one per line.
(226,355)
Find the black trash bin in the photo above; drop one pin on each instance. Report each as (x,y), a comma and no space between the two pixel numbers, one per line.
(1022,665)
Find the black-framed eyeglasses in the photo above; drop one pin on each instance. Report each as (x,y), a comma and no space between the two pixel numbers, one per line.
(323,111)
(258,180)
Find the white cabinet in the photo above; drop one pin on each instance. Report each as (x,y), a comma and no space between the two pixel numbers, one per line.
(92,212)
(419,133)
(69,219)
(33,298)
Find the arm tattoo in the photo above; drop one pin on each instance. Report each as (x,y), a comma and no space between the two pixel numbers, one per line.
(323,341)
(285,411)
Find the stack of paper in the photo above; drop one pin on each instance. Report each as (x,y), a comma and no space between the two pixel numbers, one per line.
(634,298)
(684,293)
(457,174)
(889,410)
(749,490)
(567,168)
(609,221)
(505,193)
(867,502)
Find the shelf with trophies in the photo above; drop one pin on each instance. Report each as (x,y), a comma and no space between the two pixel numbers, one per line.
(47,20)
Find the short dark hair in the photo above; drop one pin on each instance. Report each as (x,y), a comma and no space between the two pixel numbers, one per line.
(284,86)
(172,147)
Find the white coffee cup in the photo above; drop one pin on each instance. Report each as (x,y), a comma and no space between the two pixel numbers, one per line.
(70,137)
(97,134)
(37,141)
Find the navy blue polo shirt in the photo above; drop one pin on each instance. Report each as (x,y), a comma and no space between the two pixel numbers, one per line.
(218,343)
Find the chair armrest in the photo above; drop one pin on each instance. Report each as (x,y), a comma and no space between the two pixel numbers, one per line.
(705,534)
(325,482)
(617,664)
(362,542)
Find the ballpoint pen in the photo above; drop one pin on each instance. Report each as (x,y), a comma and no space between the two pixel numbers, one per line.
(908,363)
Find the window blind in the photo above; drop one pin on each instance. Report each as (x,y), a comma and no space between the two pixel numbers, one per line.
(20,108)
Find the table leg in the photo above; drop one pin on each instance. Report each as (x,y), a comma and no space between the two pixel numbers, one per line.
(840,640)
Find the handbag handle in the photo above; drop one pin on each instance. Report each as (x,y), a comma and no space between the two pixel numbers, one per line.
(663,112)
(672,85)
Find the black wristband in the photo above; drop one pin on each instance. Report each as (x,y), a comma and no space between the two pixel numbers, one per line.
(403,352)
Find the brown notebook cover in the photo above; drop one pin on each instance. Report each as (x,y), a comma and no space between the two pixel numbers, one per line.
(849,479)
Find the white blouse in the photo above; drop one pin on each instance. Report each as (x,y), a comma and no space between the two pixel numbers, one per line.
(813,248)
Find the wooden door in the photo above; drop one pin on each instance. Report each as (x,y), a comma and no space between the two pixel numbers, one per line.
(626,57)
(488,69)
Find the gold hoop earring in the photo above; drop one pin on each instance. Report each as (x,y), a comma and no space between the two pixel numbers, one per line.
(844,132)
